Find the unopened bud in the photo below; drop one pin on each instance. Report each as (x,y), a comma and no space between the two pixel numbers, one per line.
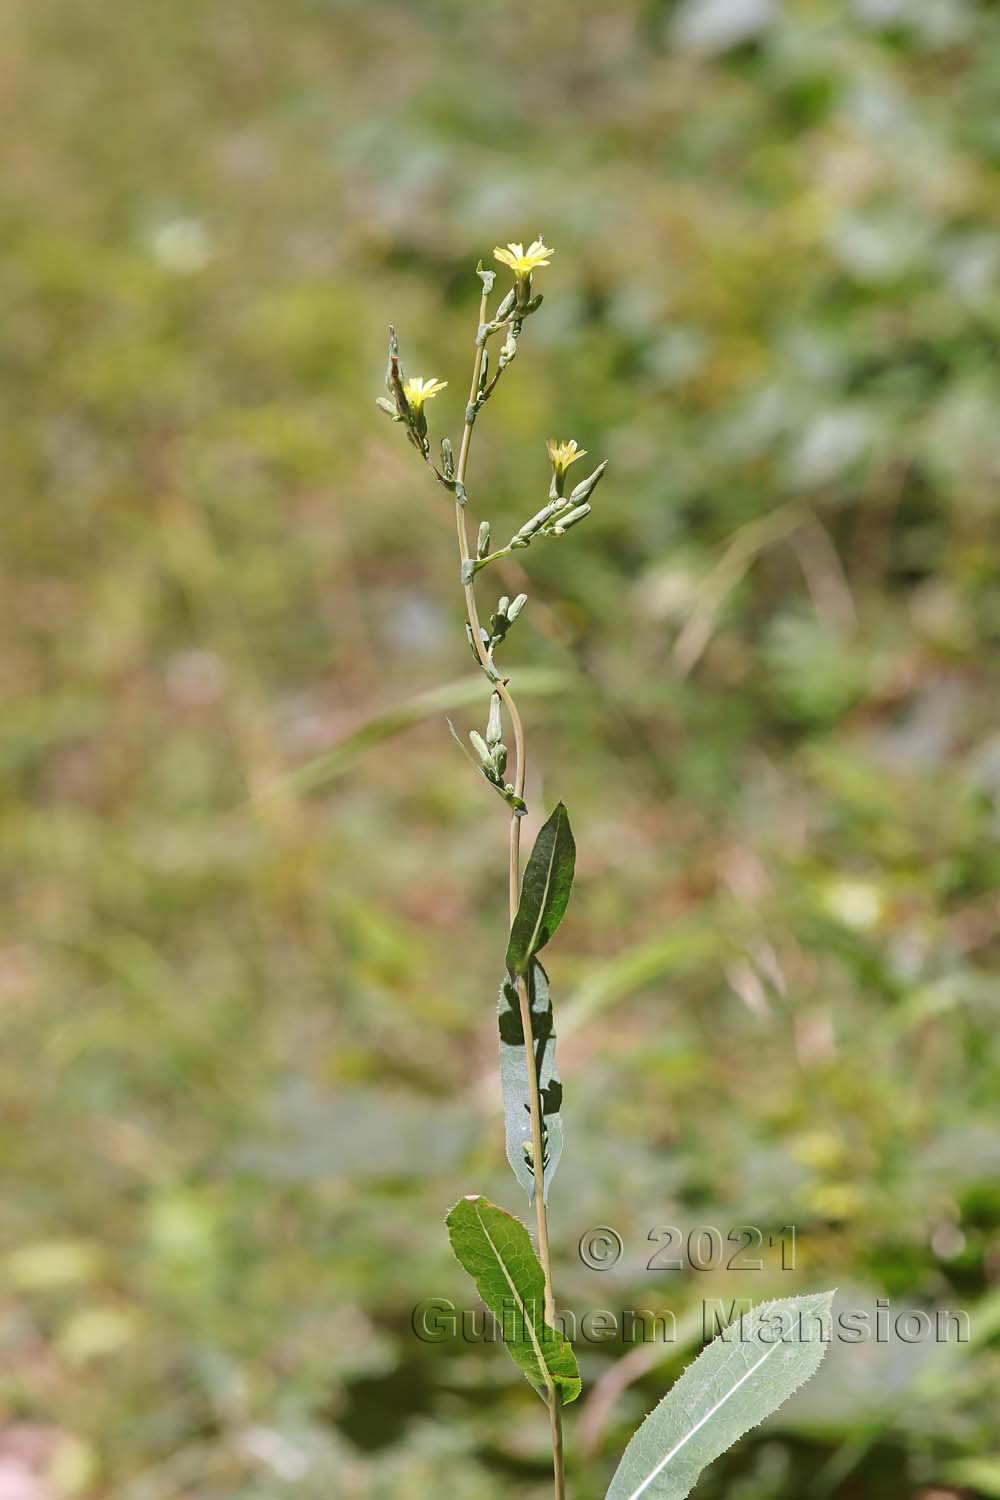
(500,759)
(394,374)
(516,607)
(480,747)
(503,606)
(538,519)
(571,519)
(483,544)
(494,727)
(587,486)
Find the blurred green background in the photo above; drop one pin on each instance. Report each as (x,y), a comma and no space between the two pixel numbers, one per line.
(253,897)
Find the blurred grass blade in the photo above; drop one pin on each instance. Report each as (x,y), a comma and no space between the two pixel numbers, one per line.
(686,948)
(495,1249)
(739,1379)
(427,705)
(548,880)
(514,1079)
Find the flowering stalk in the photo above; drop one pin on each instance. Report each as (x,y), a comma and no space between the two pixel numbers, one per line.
(718,1398)
(536,905)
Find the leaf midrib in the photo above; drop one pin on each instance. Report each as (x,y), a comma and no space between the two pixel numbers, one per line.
(543,1367)
(545,893)
(701,1422)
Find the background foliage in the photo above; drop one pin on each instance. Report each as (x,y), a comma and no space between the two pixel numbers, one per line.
(255,900)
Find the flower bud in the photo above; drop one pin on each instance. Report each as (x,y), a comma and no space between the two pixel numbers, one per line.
(483,543)
(587,486)
(538,519)
(570,520)
(394,374)
(516,607)
(494,728)
(480,747)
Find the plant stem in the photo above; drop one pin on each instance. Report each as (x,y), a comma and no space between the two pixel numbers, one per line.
(534,1096)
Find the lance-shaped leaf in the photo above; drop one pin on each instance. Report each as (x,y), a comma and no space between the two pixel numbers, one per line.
(548,880)
(495,1249)
(514,1079)
(739,1379)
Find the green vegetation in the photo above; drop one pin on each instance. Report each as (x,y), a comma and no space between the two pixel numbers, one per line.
(249,967)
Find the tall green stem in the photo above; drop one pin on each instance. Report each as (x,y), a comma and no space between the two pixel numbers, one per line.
(534,1095)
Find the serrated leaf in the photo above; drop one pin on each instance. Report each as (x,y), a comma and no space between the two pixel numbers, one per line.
(495,1249)
(514,1079)
(739,1379)
(548,880)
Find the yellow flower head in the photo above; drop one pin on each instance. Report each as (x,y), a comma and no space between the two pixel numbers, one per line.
(417,390)
(522,262)
(563,454)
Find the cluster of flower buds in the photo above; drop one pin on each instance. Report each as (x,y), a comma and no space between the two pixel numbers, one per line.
(514,307)
(557,516)
(508,350)
(409,398)
(560,512)
(522,262)
(492,753)
(506,613)
(406,405)
(501,620)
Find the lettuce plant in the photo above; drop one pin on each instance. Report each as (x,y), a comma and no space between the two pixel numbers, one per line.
(758,1361)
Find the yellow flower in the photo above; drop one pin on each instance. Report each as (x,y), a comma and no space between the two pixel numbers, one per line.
(564,454)
(522,262)
(417,390)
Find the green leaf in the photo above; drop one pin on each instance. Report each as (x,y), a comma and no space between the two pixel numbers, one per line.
(514,1079)
(739,1379)
(495,1249)
(548,880)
